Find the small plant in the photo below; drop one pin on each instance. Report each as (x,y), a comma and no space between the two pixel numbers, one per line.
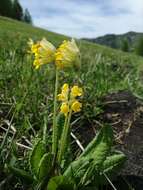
(48,168)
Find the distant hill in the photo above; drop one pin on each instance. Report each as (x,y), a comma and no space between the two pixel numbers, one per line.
(116,41)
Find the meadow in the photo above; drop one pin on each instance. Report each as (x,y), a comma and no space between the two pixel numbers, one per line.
(26,94)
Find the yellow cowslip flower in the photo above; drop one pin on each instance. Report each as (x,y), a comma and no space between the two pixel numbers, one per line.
(67,54)
(68,98)
(36,63)
(64,109)
(76,91)
(65,88)
(76,106)
(64,94)
(44,52)
(35,48)
(61,97)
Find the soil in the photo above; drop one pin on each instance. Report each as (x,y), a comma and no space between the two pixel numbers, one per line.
(125,113)
(128,182)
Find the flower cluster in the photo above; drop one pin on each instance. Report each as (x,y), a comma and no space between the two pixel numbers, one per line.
(44,53)
(69,99)
(65,56)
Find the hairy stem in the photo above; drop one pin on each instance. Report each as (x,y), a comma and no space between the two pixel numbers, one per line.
(64,137)
(45,130)
(55,130)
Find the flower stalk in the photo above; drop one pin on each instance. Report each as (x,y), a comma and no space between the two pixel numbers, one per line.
(55,130)
(63,143)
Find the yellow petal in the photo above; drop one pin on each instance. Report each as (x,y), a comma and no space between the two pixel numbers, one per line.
(76,91)
(67,54)
(76,106)
(64,109)
(62,97)
(44,52)
(65,88)
(47,45)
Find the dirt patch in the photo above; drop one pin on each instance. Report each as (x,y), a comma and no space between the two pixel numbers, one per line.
(125,114)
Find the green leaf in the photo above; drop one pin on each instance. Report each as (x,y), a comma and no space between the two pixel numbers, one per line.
(104,134)
(60,123)
(77,169)
(114,163)
(21,174)
(99,148)
(91,161)
(45,166)
(38,151)
(102,148)
(60,183)
(111,166)
(99,154)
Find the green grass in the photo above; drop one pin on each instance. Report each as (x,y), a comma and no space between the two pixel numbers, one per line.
(26,94)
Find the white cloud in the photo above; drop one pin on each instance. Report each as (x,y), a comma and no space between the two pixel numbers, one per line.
(87,18)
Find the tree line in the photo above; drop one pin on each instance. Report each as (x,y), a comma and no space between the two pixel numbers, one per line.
(13,9)
(138,48)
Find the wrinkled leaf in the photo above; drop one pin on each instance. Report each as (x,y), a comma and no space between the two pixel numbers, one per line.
(103,147)
(45,166)
(113,163)
(77,169)
(105,134)
(91,161)
(38,151)
(111,166)
(60,183)
(60,123)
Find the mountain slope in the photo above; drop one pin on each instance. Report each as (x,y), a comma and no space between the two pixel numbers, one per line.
(15,32)
(116,41)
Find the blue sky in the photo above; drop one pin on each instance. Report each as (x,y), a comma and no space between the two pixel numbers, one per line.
(87,18)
